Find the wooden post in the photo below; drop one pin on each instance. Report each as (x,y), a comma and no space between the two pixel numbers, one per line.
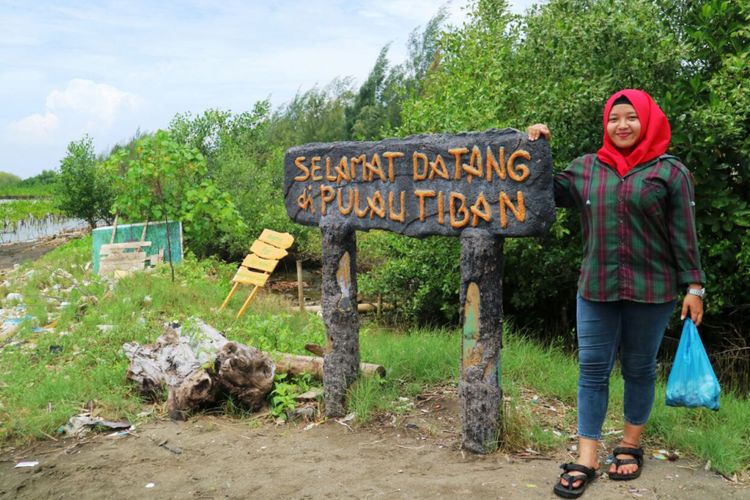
(339,305)
(479,388)
(300,290)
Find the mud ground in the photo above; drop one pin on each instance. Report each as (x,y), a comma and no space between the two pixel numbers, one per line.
(409,456)
(17,253)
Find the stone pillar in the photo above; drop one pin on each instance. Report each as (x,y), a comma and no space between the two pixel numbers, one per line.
(479,389)
(339,306)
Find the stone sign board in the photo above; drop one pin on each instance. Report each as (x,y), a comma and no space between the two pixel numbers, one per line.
(424,185)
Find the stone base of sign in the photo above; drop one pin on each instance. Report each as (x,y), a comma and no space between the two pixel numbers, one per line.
(339,306)
(482,316)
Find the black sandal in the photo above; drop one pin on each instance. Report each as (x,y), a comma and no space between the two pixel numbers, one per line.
(638,460)
(568,491)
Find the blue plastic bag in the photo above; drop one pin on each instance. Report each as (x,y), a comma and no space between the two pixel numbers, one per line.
(692,381)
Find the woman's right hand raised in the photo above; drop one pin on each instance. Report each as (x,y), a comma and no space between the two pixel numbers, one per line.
(537,130)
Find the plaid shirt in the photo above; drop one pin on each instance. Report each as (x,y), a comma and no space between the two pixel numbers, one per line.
(639,236)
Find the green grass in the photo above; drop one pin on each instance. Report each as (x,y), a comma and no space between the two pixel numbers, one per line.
(17,210)
(41,389)
(721,437)
(37,191)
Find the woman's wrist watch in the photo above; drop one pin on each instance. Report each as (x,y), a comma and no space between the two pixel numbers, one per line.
(699,292)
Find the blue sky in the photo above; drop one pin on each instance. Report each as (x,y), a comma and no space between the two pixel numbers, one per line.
(108,68)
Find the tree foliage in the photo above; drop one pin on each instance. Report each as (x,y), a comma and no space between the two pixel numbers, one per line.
(164,180)
(83,192)
(8,179)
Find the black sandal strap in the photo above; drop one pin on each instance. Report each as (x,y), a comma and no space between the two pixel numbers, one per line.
(626,461)
(634,452)
(579,468)
(571,479)
(624,450)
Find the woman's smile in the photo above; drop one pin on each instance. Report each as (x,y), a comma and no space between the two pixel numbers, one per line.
(624,126)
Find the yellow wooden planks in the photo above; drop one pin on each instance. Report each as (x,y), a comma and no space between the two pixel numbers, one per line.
(267,251)
(252,261)
(250,277)
(279,240)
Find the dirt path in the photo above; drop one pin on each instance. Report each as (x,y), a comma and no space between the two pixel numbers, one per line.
(415,456)
(17,253)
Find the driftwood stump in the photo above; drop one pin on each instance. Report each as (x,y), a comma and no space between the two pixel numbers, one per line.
(199,366)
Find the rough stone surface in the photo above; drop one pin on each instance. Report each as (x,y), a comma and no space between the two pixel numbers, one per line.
(324,182)
(339,305)
(479,391)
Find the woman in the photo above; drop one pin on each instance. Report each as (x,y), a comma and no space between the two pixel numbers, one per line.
(640,253)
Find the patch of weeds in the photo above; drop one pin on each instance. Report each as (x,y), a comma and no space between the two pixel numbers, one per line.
(369,395)
(283,397)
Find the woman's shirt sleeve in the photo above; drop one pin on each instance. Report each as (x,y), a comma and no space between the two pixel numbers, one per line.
(565,187)
(682,228)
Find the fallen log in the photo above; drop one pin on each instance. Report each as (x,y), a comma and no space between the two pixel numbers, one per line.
(297,365)
(363,307)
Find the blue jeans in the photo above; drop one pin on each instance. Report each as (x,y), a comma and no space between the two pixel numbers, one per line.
(636,330)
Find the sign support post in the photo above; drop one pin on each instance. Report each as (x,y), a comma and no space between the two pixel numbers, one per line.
(479,390)
(339,307)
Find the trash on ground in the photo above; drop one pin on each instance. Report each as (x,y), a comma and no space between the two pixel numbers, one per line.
(80,425)
(311,395)
(33,463)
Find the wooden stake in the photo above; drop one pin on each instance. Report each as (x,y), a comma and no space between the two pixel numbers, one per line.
(300,288)
(247,302)
(231,292)
(114,229)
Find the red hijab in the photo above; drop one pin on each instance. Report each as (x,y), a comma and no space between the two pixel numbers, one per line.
(654,138)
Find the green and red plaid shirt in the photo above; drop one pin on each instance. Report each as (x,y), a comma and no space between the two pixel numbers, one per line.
(639,236)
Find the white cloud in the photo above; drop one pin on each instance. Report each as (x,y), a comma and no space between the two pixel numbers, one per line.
(99,101)
(34,128)
(83,106)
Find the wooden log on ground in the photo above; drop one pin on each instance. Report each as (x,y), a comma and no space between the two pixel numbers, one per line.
(363,307)
(297,365)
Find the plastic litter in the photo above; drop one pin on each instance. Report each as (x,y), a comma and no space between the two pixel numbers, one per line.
(81,424)
(31,463)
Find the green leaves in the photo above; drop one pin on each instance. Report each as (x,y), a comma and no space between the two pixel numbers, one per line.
(84,189)
(160,179)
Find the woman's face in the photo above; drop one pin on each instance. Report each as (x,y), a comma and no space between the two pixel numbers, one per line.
(623,127)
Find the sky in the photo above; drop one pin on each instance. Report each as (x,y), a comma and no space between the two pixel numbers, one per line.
(109,68)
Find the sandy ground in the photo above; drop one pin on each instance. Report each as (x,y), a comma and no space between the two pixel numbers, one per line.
(411,456)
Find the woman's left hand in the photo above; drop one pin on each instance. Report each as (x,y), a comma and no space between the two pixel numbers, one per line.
(692,305)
